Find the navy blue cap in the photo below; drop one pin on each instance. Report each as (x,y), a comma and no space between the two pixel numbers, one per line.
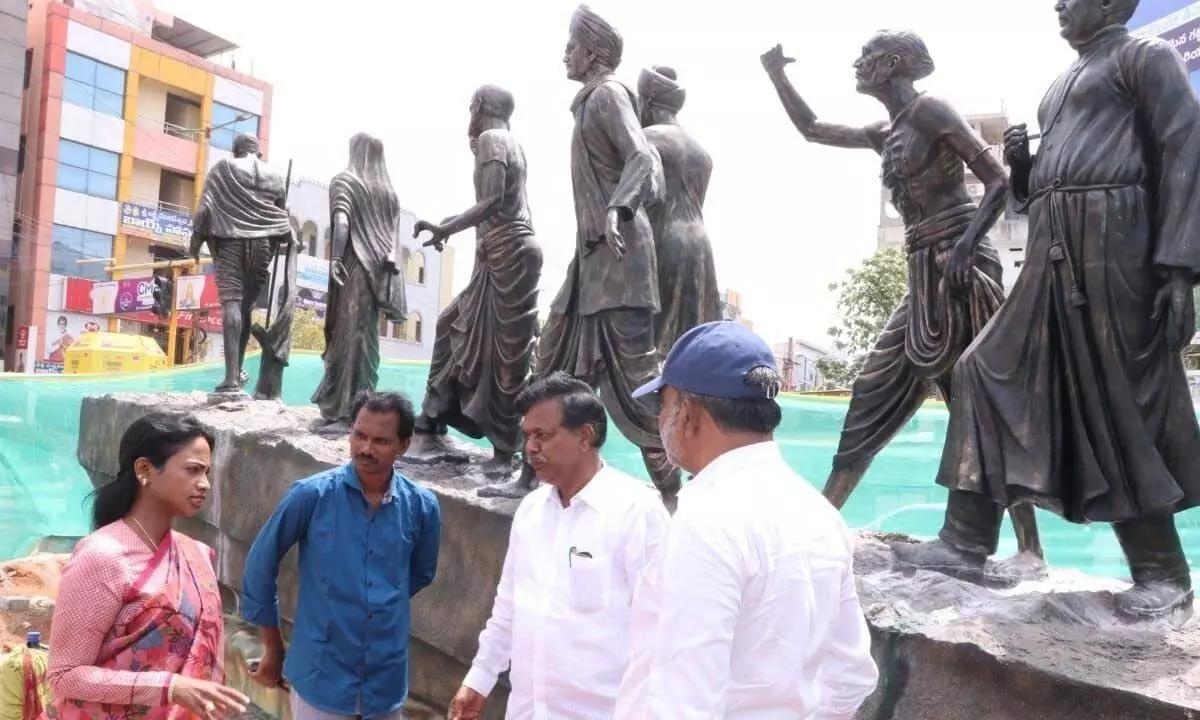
(713,359)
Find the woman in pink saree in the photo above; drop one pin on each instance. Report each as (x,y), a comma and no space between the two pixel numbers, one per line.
(138,627)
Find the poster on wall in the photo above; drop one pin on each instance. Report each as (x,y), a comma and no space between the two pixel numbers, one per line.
(62,330)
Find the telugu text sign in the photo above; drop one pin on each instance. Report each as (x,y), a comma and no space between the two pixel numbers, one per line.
(1186,41)
(156,223)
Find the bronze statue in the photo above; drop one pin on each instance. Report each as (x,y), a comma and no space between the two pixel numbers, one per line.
(687,277)
(954,272)
(244,219)
(364,279)
(1075,397)
(601,324)
(484,343)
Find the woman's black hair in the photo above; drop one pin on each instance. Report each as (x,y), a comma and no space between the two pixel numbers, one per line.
(157,437)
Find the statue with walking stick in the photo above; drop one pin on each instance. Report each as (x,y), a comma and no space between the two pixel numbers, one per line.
(244,220)
(954,273)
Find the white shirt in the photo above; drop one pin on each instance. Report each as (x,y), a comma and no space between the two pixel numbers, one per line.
(562,608)
(750,611)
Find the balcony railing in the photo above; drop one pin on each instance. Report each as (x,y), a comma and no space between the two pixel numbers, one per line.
(167,128)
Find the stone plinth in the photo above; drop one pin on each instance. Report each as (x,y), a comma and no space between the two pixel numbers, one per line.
(947,650)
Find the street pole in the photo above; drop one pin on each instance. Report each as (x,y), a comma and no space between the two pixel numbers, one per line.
(173,323)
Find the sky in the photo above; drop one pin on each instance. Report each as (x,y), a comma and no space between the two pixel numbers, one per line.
(785,218)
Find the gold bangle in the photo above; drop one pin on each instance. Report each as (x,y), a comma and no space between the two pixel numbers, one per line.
(171,691)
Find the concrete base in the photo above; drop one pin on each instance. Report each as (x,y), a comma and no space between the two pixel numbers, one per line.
(946,649)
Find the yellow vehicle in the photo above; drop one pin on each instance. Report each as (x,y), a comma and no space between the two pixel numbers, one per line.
(109,352)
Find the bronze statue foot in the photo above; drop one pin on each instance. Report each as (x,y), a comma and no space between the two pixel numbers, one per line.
(228,387)
(1156,599)
(938,556)
(499,463)
(514,489)
(243,378)
(1022,567)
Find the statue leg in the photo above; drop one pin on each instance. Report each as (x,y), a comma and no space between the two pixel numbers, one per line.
(884,397)
(231,319)
(969,536)
(1161,577)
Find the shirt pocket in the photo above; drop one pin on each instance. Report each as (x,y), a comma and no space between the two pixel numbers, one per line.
(589,583)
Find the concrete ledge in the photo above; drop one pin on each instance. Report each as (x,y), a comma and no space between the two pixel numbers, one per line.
(947,650)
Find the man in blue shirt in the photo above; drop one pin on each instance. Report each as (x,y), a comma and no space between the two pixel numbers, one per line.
(368,541)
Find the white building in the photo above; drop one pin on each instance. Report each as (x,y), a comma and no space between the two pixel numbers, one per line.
(798,364)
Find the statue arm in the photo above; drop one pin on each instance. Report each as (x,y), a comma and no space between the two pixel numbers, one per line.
(805,120)
(493,175)
(937,118)
(340,233)
(619,123)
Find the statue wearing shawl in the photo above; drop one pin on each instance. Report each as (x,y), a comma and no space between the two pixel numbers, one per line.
(485,337)
(687,277)
(601,324)
(365,280)
(244,219)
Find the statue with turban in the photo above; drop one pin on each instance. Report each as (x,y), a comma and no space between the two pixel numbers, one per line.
(601,324)
(687,277)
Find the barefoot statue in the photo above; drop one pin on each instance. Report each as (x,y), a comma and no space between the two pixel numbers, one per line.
(954,273)
(484,343)
(364,281)
(601,324)
(244,220)
(1075,397)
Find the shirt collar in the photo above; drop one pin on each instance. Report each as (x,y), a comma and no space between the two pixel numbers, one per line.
(350,479)
(730,462)
(597,494)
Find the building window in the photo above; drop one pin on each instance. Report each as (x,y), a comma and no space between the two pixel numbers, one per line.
(226,125)
(87,170)
(73,244)
(416,268)
(412,327)
(94,85)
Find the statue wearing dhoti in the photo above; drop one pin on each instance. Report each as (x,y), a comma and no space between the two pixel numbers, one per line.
(244,220)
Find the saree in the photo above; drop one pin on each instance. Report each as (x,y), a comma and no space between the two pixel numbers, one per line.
(169,623)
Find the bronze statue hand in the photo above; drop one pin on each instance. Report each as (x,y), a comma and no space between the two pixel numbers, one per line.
(438,242)
(612,233)
(1175,308)
(959,266)
(337,273)
(1016,146)
(423,226)
(774,61)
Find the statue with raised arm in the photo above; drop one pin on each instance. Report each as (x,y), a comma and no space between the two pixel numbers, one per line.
(244,220)
(954,273)
(484,343)
(1075,398)
(365,281)
(601,324)
(687,276)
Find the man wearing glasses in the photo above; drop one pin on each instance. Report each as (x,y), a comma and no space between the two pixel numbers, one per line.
(577,548)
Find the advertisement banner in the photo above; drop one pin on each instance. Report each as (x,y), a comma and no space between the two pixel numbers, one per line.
(156,223)
(62,329)
(1186,41)
(123,296)
(196,292)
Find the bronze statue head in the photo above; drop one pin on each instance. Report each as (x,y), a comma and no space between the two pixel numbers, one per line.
(1080,20)
(892,56)
(491,107)
(245,144)
(660,95)
(594,46)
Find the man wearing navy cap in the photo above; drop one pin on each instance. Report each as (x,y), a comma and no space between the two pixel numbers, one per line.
(749,610)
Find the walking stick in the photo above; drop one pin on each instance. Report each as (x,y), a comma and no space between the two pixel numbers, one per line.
(287,259)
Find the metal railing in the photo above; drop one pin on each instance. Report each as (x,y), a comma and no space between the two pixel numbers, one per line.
(160,204)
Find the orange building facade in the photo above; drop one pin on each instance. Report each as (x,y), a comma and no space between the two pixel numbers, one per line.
(122,117)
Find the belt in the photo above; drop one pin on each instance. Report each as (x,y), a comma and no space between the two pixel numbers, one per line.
(1059,254)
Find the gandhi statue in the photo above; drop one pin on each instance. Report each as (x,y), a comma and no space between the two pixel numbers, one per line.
(244,220)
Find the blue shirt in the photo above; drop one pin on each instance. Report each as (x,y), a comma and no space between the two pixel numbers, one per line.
(358,568)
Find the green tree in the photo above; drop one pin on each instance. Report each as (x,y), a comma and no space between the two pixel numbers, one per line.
(308,330)
(866,299)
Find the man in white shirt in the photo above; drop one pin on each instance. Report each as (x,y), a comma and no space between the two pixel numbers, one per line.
(750,610)
(577,547)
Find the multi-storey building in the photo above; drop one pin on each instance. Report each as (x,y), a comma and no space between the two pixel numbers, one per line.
(428,274)
(123,113)
(798,365)
(731,308)
(1010,232)
(14,67)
